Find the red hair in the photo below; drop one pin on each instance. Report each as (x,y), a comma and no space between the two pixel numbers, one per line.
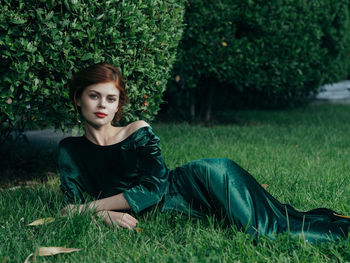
(98,73)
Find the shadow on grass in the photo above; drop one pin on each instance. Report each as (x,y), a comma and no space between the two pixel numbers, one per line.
(21,163)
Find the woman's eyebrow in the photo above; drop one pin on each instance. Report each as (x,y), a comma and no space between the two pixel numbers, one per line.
(114,95)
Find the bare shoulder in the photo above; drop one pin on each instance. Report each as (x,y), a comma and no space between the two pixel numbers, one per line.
(132,127)
(126,131)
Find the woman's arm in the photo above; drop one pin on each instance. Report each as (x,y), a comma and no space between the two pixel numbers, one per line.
(152,180)
(115,202)
(103,208)
(69,175)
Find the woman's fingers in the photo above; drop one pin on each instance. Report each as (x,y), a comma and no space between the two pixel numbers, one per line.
(131,220)
(65,210)
(73,209)
(128,221)
(117,218)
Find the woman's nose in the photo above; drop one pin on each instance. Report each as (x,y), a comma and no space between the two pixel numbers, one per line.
(102,103)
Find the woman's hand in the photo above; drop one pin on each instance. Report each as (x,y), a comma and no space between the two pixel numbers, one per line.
(72,209)
(112,218)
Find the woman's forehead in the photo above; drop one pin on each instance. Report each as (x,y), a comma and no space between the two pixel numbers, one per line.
(107,88)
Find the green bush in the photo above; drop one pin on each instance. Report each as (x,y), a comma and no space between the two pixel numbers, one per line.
(43,42)
(264,53)
(336,40)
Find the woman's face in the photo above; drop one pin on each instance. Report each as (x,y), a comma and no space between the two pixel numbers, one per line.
(99,103)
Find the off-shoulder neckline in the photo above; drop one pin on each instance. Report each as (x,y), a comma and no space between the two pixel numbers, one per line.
(118,143)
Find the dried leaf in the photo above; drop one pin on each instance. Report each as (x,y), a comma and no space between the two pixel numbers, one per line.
(265,186)
(138,230)
(14,188)
(42,221)
(27,259)
(18,187)
(49,251)
(22,219)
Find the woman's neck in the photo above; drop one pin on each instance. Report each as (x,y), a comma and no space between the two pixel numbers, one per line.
(104,135)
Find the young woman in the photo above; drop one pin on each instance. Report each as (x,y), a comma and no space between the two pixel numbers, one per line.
(122,169)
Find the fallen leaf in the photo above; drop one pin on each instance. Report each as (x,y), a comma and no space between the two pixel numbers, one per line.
(14,188)
(22,219)
(138,230)
(42,221)
(27,259)
(265,186)
(50,251)
(18,187)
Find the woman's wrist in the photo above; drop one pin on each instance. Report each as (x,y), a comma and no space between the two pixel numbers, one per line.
(101,214)
(95,206)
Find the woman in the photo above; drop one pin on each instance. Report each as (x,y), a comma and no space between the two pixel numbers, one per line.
(122,169)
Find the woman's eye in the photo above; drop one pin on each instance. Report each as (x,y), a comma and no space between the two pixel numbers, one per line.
(111,99)
(93,96)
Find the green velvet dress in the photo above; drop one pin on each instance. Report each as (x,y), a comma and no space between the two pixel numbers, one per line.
(135,168)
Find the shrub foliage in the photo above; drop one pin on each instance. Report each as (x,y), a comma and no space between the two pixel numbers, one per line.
(43,42)
(264,53)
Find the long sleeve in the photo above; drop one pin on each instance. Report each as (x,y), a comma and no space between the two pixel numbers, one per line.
(152,173)
(69,174)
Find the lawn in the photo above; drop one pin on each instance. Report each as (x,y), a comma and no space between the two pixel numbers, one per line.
(303,155)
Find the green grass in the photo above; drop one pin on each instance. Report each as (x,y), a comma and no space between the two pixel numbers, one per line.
(303,155)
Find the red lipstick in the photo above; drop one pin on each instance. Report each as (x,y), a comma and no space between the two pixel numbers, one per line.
(100,114)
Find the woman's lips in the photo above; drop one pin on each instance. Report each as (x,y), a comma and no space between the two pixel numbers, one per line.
(100,114)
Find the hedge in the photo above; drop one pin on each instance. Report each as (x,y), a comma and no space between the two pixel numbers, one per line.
(43,42)
(265,54)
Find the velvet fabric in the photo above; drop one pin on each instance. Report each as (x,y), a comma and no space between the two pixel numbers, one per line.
(219,186)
